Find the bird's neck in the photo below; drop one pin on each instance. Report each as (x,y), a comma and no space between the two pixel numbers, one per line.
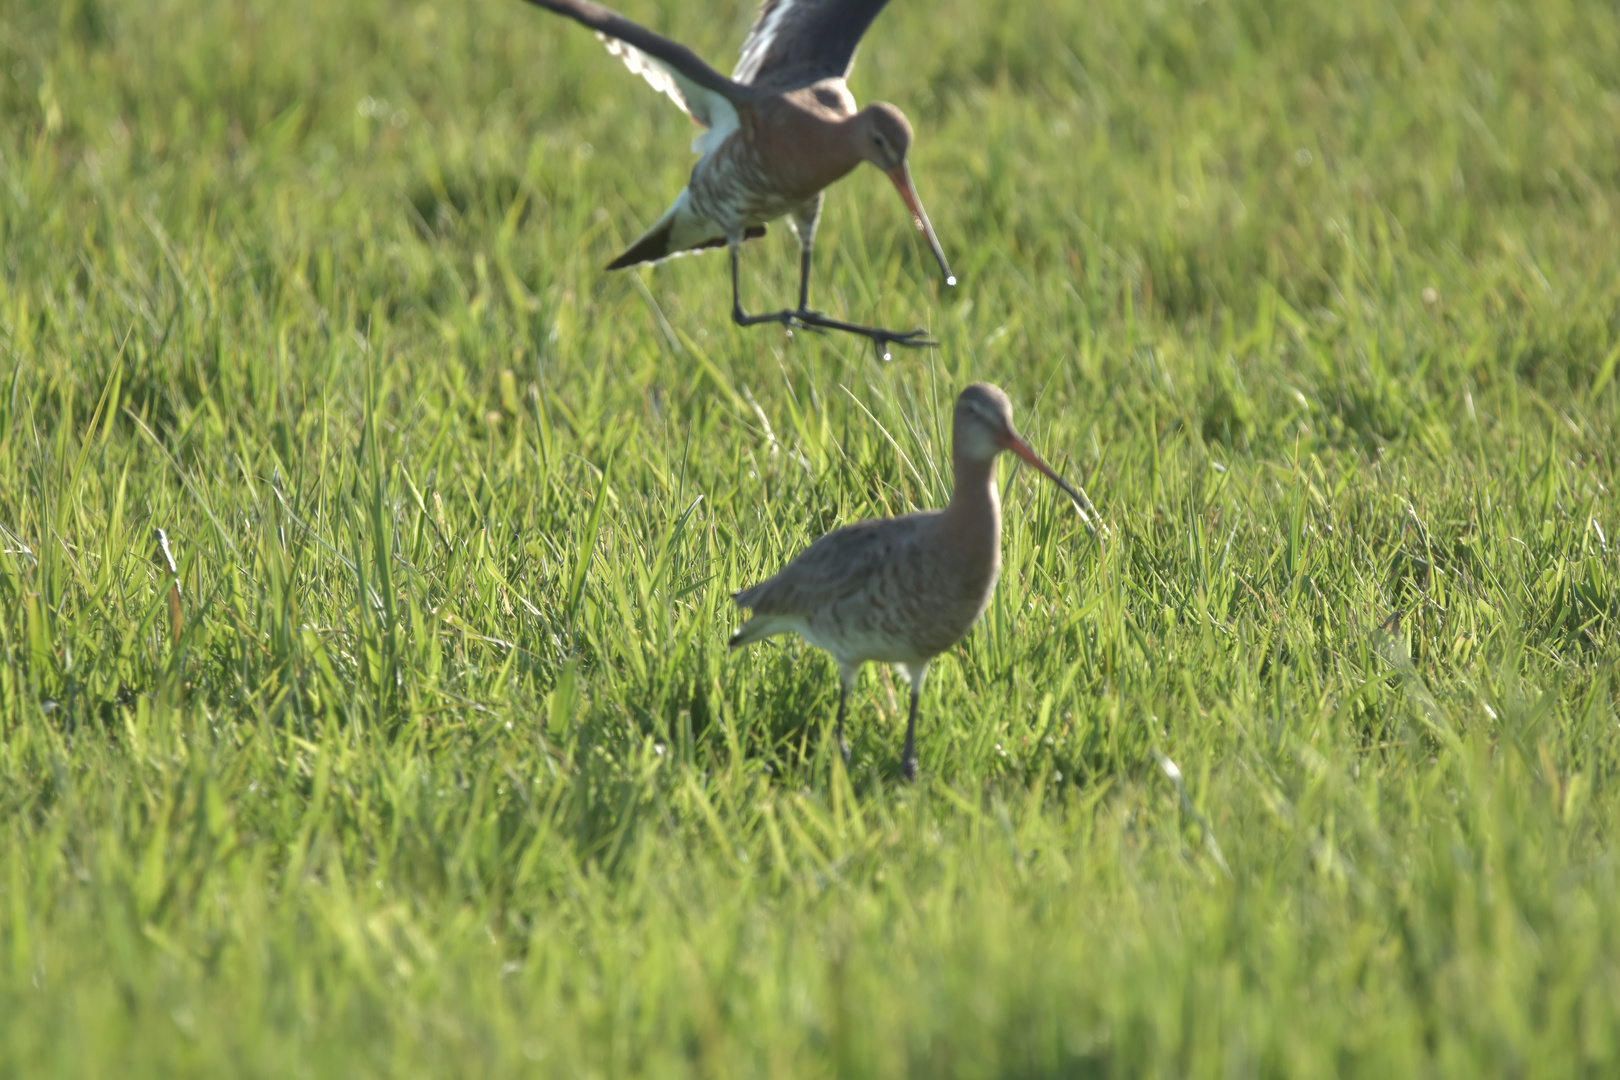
(974,513)
(810,141)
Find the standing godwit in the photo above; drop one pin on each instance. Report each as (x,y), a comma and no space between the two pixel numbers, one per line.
(902,590)
(781,129)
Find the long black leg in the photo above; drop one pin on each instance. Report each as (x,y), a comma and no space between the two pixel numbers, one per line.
(843,702)
(908,760)
(804,220)
(738,316)
(806,243)
(805,319)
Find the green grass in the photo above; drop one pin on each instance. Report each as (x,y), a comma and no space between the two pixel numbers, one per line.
(447,771)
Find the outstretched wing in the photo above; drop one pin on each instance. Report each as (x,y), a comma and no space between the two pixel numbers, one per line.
(798,42)
(671,68)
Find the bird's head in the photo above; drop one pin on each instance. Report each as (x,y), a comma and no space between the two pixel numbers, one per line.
(883,137)
(983,428)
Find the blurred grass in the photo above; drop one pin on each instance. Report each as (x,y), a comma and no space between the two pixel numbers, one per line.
(446,770)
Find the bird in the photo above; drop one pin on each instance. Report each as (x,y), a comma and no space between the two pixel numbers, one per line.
(902,590)
(780,130)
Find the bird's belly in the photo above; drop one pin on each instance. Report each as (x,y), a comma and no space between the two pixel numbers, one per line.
(857,645)
(888,635)
(729,188)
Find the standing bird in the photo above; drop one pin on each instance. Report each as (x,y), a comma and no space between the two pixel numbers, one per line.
(781,129)
(902,590)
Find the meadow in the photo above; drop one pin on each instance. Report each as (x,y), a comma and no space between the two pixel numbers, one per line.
(426,756)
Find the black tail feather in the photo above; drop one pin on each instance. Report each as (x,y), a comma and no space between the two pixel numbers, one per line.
(650,248)
(655,245)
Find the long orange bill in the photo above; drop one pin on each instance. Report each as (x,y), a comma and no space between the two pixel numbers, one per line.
(1021,448)
(900,176)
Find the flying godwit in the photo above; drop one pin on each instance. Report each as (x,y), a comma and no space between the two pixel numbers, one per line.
(781,129)
(902,590)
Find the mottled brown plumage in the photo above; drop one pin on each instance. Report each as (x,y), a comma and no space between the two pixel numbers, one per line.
(902,590)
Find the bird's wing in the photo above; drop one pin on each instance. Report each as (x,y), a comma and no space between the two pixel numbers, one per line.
(838,567)
(671,68)
(798,42)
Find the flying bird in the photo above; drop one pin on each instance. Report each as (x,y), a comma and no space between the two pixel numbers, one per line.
(780,130)
(902,590)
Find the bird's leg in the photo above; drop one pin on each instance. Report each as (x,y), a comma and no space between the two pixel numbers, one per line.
(804,225)
(738,315)
(805,319)
(806,245)
(804,222)
(908,759)
(846,682)
(789,319)
(843,702)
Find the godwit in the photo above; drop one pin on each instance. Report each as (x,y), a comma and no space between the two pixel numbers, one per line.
(902,590)
(781,129)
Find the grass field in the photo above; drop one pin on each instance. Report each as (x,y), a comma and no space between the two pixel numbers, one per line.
(440,767)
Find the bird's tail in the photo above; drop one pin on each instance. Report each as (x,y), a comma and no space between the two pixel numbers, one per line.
(757,628)
(653,245)
(659,242)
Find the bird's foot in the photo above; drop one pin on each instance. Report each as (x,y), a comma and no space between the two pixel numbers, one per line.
(789,319)
(805,319)
(843,750)
(879,337)
(908,768)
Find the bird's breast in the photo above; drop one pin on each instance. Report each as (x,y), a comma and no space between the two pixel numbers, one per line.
(782,153)
(917,599)
(737,188)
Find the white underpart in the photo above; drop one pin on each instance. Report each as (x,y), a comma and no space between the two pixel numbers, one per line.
(723,123)
(914,674)
(659,77)
(758,45)
(708,108)
(688,228)
(852,649)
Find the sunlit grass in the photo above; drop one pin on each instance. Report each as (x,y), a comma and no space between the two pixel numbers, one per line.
(444,768)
